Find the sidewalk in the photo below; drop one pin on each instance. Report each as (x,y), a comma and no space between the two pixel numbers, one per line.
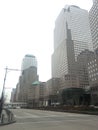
(7,117)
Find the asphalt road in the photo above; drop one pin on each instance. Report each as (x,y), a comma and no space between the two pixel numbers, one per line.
(49,120)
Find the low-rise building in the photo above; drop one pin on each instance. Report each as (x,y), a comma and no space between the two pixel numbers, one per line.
(53,87)
(36,94)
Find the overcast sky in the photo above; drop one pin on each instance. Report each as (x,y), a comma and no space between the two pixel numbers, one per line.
(26,27)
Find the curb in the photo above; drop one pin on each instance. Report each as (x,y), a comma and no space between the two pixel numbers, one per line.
(74,111)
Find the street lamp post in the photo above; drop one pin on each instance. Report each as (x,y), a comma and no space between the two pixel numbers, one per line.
(3,90)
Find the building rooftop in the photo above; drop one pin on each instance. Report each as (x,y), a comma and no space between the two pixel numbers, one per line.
(28,55)
(36,83)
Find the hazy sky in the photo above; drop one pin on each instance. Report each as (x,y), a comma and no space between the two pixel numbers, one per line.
(26,27)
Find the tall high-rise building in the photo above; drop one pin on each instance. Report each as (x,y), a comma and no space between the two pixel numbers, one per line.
(94,0)
(28,76)
(29,61)
(93,16)
(71,36)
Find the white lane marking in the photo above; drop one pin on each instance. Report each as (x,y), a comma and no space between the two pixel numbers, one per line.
(55,121)
(41,114)
(32,116)
(38,122)
(29,115)
(78,115)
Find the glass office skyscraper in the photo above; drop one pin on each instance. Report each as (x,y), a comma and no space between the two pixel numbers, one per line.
(93,16)
(72,35)
(29,61)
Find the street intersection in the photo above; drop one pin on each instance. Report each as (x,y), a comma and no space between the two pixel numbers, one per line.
(27,119)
